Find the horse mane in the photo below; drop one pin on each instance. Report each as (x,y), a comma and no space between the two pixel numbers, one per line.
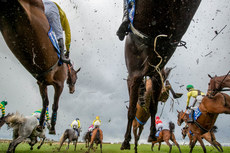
(15,120)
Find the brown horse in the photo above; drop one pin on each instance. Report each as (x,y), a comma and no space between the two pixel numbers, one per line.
(25,27)
(217,83)
(201,126)
(164,136)
(142,112)
(153,19)
(207,136)
(97,137)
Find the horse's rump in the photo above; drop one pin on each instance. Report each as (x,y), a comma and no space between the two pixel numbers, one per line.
(97,135)
(15,120)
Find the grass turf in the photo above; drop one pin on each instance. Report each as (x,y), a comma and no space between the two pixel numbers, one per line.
(106,148)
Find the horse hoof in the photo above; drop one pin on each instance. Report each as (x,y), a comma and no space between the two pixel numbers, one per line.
(31,148)
(38,147)
(125,146)
(52,132)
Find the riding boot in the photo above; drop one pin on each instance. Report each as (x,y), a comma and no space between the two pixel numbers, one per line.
(62,55)
(122,30)
(191,120)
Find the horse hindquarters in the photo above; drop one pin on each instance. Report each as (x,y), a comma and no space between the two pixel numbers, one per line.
(14,144)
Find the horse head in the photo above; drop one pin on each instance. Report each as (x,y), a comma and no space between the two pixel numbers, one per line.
(180,118)
(184,132)
(72,78)
(211,86)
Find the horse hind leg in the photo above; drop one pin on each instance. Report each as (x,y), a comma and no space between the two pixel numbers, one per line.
(170,146)
(175,142)
(14,144)
(101,146)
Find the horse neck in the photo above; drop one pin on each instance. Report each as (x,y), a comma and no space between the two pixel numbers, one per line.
(151,15)
(225,82)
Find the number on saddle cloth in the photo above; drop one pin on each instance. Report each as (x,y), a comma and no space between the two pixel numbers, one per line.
(53,40)
(196,114)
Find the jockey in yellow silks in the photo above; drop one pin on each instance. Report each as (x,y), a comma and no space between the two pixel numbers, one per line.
(58,21)
(76,125)
(97,122)
(66,28)
(197,94)
(2,107)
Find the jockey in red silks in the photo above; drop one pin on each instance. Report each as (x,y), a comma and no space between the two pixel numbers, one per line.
(158,123)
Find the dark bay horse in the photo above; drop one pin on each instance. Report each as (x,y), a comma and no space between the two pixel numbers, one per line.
(87,138)
(164,136)
(217,83)
(25,27)
(147,50)
(71,135)
(97,137)
(207,136)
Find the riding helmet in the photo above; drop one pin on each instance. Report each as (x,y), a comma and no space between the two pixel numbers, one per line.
(157,117)
(189,87)
(97,118)
(4,102)
(77,119)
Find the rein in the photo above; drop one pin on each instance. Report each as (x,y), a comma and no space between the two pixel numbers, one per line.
(40,77)
(219,87)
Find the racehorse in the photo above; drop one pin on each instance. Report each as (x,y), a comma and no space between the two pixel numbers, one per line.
(25,28)
(142,112)
(97,137)
(217,83)
(207,136)
(164,136)
(147,49)
(202,125)
(87,138)
(3,120)
(71,135)
(23,128)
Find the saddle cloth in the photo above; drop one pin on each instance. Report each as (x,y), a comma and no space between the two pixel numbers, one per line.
(55,43)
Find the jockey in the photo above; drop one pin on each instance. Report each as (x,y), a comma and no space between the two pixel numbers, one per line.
(123,29)
(76,125)
(37,114)
(58,21)
(97,122)
(158,123)
(197,94)
(2,107)
(90,129)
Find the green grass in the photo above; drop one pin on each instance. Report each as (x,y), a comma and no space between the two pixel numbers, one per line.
(106,148)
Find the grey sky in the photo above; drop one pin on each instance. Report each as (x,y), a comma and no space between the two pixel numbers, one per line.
(100,89)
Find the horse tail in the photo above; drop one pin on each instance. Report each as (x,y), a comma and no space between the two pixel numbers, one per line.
(214,129)
(15,120)
(171,127)
(63,137)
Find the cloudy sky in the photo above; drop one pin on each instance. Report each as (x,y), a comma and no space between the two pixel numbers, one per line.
(101,88)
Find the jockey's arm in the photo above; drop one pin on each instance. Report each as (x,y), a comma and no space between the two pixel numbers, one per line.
(65,27)
(3,110)
(189,94)
(79,124)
